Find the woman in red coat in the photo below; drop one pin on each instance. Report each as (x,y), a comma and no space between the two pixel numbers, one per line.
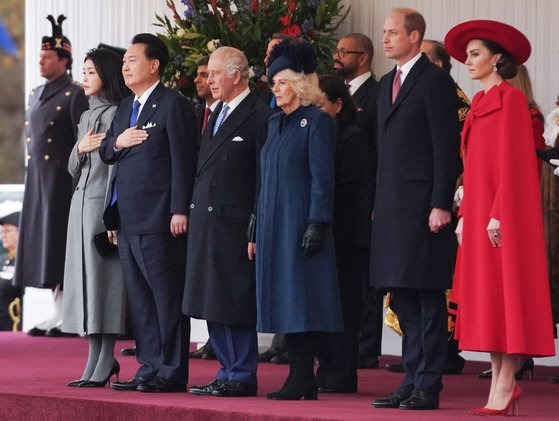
(501,284)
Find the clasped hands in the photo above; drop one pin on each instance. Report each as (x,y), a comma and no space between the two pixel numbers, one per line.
(131,137)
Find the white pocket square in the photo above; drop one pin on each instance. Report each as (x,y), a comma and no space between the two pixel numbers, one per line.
(238,139)
(149,125)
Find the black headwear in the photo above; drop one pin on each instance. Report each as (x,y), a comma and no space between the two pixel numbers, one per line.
(11,219)
(118,50)
(57,42)
(297,56)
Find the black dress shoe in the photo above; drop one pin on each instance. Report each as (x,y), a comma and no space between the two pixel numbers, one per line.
(233,389)
(267,355)
(75,383)
(205,389)
(159,385)
(129,385)
(392,401)
(36,332)
(128,352)
(55,332)
(420,400)
(395,367)
(282,358)
(205,353)
(368,362)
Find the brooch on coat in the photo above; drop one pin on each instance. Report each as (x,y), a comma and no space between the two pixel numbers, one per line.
(303,122)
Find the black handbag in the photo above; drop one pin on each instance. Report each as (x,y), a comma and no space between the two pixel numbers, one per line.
(104,247)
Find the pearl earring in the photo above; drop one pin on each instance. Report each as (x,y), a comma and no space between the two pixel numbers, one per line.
(494,67)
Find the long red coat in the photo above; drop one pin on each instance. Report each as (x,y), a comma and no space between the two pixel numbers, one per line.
(502,293)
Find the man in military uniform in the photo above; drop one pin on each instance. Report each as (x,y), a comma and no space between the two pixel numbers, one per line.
(8,292)
(51,128)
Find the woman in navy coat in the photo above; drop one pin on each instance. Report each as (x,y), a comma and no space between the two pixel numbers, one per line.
(296,281)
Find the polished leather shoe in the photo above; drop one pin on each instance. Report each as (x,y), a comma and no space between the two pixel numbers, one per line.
(282,358)
(267,355)
(128,352)
(392,401)
(205,353)
(159,385)
(75,383)
(234,389)
(205,389)
(36,332)
(129,385)
(368,362)
(420,400)
(395,367)
(55,332)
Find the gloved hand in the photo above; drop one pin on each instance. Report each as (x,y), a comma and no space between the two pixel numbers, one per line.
(312,239)
(251,230)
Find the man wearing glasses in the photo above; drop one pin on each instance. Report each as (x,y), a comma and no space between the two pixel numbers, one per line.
(352,61)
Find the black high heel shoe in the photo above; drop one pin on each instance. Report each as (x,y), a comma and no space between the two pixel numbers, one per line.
(527,366)
(75,383)
(114,371)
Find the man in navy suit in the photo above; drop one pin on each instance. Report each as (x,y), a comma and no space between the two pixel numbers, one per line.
(152,145)
(418,151)
(220,280)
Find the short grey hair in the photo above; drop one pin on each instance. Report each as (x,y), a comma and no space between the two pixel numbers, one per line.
(305,85)
(234,60)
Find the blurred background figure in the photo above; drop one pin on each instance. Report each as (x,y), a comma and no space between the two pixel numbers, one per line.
(8,292)
(94,299)
(338,352)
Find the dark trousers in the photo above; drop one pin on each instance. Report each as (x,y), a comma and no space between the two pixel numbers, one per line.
(422,316)
(338,352)
(153,267)
(236,348)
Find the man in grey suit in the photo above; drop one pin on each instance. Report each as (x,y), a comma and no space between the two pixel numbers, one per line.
(418,152)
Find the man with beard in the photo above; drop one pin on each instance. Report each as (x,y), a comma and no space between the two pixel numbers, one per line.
(352,61)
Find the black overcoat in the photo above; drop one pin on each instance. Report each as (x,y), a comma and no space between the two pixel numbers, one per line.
(418,159)
(220,280)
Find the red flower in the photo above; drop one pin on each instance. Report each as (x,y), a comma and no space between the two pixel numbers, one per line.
(294,30)
(284,20)
(291,5)
(255,5)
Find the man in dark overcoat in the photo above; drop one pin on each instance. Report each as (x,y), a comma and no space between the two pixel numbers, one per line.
(50,131)
(418,152)
(220,280)
(152,145)
(353,57)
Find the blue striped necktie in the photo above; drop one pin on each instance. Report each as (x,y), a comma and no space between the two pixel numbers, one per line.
(220,118)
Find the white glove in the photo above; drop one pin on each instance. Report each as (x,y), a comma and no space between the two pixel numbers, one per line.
(556,163)
(458,196)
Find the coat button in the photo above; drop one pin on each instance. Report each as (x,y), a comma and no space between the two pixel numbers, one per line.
(192,206)
(68,93)
(58,108)
(28,157)
(26,122)
(51,123)
(49,140)
(46,157)
(210,209)
(28,140)
(77,188)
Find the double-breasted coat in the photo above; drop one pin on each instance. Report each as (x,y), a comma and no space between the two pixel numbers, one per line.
(94,295)
(51,127)
(418,150)
(295,292)
(220,280)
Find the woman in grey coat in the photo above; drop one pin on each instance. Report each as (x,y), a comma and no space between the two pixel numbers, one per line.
(94,297)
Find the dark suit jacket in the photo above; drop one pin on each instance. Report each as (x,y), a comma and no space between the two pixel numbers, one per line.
(220,280)
(154,180)
(418,158)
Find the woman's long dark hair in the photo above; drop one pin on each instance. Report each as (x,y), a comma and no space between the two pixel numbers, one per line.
(334,87)
(109,68)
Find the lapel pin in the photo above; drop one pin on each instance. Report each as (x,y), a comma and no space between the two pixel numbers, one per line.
(303,122)
(154,105)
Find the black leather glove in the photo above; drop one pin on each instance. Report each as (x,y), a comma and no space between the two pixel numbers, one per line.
(251,230)
(312,239)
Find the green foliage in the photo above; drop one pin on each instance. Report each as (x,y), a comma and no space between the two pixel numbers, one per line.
(247,25)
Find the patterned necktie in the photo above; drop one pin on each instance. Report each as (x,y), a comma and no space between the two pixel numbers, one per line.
(135,112)
(396,84)
(207,113)
(220,118)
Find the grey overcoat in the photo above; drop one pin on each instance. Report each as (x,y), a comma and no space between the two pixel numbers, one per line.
(94,295)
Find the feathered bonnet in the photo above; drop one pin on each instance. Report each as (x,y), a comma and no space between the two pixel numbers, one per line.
(57,42)
(298,56)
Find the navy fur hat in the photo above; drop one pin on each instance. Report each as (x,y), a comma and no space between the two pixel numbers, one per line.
(297,56)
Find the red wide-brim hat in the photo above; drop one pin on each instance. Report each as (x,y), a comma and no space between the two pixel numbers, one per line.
(508,37)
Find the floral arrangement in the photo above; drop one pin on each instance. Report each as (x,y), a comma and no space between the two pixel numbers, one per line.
(205,25)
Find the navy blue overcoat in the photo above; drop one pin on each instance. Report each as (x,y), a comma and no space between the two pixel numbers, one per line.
(295,292)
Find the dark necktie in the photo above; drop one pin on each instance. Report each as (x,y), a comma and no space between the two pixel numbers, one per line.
(396,84)
(207,113)
(133,120)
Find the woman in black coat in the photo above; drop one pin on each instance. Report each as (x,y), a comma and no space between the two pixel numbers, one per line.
(338,352)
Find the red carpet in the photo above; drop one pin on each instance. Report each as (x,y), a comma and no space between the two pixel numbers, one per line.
(34,373)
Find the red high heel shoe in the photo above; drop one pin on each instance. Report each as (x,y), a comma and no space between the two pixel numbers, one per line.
(512,403)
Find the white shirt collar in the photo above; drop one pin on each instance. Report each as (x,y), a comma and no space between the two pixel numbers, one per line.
(356,83)
(407,66)
(234,103)
(143,99)
(213,106)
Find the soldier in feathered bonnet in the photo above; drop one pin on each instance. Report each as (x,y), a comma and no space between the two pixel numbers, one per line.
(50,132)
